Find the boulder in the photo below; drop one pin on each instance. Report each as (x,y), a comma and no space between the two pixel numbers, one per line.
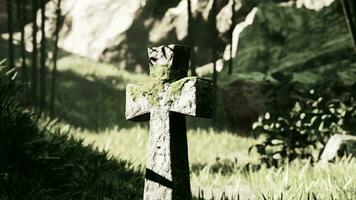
(336,146)
(91,26)
(275,43)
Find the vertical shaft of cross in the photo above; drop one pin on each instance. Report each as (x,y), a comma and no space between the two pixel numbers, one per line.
(167,168)
(165,102)
(158,180)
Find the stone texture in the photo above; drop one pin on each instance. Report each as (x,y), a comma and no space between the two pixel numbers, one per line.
(92,26)
(314,4)
(333,147)
(289,52)
(116,31)
(165,103)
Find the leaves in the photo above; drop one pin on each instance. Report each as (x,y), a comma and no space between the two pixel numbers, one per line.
(305,128)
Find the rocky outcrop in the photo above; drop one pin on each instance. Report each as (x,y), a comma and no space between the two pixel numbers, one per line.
(312,47)
(117,31)
(91,26)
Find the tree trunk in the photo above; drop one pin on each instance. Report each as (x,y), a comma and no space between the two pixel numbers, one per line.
(43,57)
(214,54)
(191,40)
(10,31)
(55,56)
(21,17)
(348,16)
(231,61)
(34,53)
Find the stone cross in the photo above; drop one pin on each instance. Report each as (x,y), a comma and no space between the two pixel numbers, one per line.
(164,102)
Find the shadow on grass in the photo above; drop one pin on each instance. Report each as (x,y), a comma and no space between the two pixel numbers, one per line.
(90,102)
(44,164)
(56,167)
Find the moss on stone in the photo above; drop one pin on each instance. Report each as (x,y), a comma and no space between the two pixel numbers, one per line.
(149,91)
(161,72)
(176,87)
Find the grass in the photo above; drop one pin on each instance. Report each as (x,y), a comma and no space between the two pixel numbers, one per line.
(91,102)
(40,163)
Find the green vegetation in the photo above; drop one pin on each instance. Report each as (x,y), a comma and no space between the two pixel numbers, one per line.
(219,159)
(39,162)
(94,153)
(306,128)
(161,72)
(309,49)
(150,91)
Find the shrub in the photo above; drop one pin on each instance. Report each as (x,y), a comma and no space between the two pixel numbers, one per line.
(305,129)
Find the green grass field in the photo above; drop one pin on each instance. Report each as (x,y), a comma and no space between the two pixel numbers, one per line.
(91,100)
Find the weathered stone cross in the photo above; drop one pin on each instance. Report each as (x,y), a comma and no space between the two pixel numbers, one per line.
(165,102)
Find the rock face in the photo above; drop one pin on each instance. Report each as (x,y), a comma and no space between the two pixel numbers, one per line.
(117,31)
(275,43)
(91,26)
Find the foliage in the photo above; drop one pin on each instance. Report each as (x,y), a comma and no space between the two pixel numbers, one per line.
(276,43)
(306,127)
(42,163)
(217,157)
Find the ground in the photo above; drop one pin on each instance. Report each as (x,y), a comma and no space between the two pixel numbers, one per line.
(91,103)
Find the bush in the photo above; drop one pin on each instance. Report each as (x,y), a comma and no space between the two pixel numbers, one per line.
(305,129)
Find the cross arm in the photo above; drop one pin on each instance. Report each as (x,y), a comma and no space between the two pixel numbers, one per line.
(137,105)
(192,96)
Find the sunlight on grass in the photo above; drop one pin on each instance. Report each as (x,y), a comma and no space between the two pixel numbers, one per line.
(92,102)
(217,163)
(90,69)
(205,146)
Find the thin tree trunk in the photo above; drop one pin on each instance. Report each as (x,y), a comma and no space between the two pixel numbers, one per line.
(231,61)
(55,56)
(43,57)
(191,40)
(214,54)
(347,12)
(21,17)
(34,53)
(10,31)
